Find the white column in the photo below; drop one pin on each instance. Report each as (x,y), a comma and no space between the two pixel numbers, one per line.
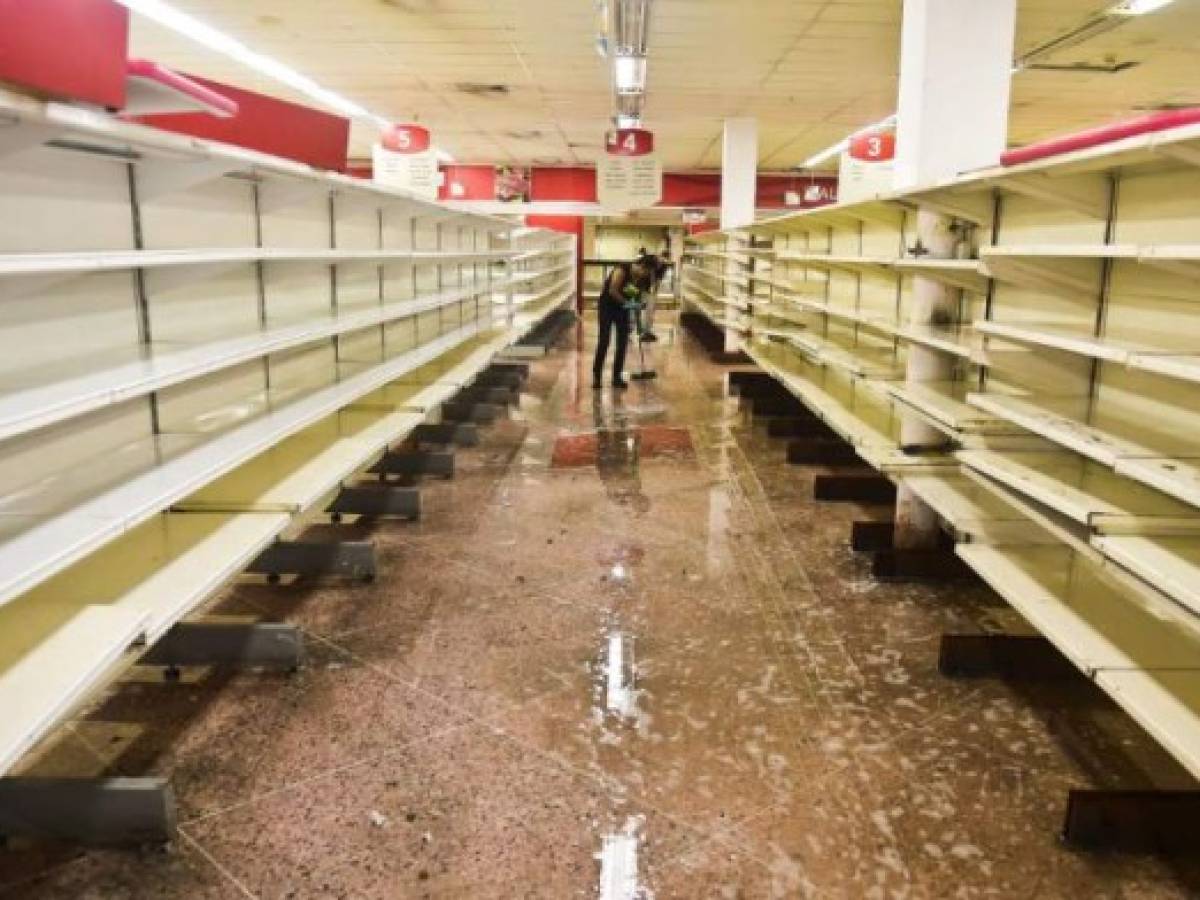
(739,172)
(955,70)
(952,116)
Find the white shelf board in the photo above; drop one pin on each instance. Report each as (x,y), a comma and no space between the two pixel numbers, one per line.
(943,404)
(1075,340)
(836,261)
(861,361)
(1169,564)
(957,340)
(125,375)
(71,635)
(55,542)
(973,511)
(1094,619)
(150,147)
(861,416)
(297,474)
(1166,704)
(1086,492)
(966,274)
(80,263)
(1156,467)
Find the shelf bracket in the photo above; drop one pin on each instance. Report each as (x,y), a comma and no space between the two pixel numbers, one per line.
(804,425)
(157,178)
(1087,194)
(975,208)
(888,216)
(17,137)
(491,396)
(466,411)
(1160,821)
(1184,267)
(346,559)
(168,278)
(976,284)
(901,564)
(499,379)
(1008,656)
(92,811)
(394,502)
(866,489)
(1183,153)
(823,451)
(228,644)
(459,434)
(415,463)
(1040,276)
(869,537)
(275,196)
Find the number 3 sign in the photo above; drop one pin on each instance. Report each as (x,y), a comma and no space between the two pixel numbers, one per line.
(873,146)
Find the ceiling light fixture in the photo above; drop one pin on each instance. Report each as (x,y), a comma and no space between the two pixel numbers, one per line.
(629,74)
(1138,7)
(602,20)
(168,16)
(834,149)
(190,27)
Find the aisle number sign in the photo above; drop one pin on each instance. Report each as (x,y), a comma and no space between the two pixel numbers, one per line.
(866,166)
(405,159)
(628,176)
(628,182)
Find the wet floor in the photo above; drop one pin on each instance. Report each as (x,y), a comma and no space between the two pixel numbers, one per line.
(623,655)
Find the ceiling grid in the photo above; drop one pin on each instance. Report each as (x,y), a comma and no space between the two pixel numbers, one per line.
(519,81)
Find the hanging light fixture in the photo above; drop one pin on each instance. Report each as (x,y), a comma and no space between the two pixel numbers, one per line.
(628,24)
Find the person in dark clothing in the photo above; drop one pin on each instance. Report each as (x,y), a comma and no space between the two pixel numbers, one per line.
(657,266)
(613,312)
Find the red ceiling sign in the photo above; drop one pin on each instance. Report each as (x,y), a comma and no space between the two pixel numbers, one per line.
(629,142)
(873,146)
(406,138)
(65,49)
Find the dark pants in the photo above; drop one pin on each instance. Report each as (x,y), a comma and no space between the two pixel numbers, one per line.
(612,315)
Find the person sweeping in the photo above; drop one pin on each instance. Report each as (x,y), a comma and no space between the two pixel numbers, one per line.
(622,287)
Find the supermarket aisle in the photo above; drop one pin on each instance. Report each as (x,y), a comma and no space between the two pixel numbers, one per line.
(623,631)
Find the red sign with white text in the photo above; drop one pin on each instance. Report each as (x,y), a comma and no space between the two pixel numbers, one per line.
(406,139)
(873,146)
(629,142)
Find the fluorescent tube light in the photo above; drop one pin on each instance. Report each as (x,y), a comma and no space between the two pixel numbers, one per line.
(833,150)
(1138,7)
(629,74)
(189,26)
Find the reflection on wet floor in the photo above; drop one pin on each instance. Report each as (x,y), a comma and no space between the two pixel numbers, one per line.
(623,655)
(619,449)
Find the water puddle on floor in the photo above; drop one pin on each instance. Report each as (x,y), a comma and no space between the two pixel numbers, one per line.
(619,865)
(621,449)
(620,690)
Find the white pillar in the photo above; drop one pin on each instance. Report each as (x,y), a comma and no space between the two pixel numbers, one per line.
(955,70)
(952,116)
(739,172)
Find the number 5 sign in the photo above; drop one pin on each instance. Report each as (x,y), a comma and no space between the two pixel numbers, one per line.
(405,139)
